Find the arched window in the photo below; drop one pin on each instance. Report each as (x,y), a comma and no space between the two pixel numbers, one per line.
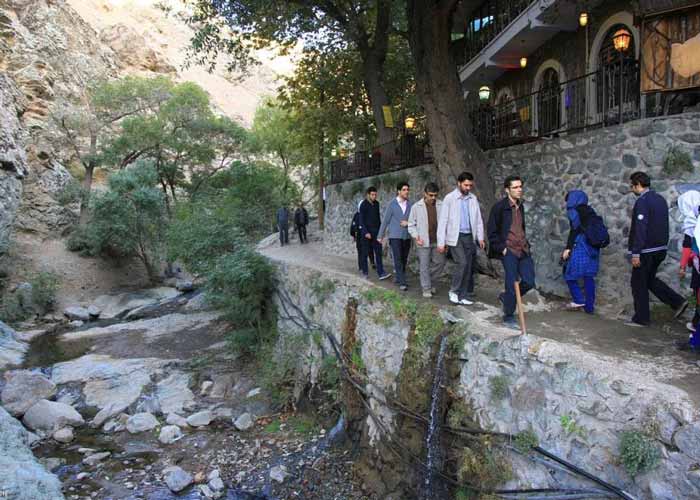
(616,81)
(549,102)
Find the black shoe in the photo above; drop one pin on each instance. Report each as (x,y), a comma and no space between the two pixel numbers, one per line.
(679,312)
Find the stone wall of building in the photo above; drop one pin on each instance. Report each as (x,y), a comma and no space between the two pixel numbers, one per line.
(545,386)
(598,162)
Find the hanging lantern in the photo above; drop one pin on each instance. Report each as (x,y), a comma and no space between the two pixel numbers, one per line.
(409,123)
(484,93)
(523,62)
(583,19)
(621,39)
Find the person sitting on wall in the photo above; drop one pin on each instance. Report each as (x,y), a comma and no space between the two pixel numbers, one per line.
(396,222)
(689,206)
(508,242)
(647,245)
(370,222)
(422,226)
(581,257)
(460,227)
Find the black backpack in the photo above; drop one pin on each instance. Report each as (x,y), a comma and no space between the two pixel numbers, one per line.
(595,230)
(355,225)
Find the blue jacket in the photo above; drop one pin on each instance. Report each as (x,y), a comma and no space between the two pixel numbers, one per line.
(649,230)
(393,215)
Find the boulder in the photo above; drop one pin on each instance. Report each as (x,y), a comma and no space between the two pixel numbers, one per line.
(107,412)
(94,459)
(216,484)
(244,422)
(11,349)
(169,434)
(141,422)
(279,473)
(48,416)
(23,388)
(184,285)
(116,306)
(687,439)
(253,392)
(21,475)
(196,303)
(200,419)
(173,393)
(206,387)
(76,313)
(94,311)
(177,479)
(175,419)
(64,435)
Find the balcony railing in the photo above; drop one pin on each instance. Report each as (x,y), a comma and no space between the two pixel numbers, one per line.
(409,150)
(605,97)
(487,21)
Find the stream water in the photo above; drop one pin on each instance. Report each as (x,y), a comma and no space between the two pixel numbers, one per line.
(432,439)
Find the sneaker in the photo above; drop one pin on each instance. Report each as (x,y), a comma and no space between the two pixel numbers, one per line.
(427,294)
(633,324)
(466,302)
(365,276)
(403,288)
(385,276)
(453,297)
(690,327)
(573,306)
(680,310)
(511,323)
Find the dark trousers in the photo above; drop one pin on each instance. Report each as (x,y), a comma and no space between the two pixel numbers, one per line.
(516,268)
(577,295)
(284,235)
(399,252)
(374,248)
(464,254)
(643,280)
(301,231)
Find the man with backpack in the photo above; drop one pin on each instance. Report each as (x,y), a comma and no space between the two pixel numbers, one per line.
(587,235)
(648,242)
(356,236)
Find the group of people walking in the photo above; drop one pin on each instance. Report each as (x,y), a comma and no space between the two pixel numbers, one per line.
(454,225)
(301,220)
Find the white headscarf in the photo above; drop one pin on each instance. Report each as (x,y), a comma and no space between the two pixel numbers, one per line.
(688,204)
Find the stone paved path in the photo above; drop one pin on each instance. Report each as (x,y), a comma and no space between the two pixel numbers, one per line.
(650,350)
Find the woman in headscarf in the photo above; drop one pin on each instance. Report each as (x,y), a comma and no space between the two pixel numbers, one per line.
(689,205)
(582,260)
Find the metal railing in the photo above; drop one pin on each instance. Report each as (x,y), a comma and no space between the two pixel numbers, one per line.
(605,97)
(488,21)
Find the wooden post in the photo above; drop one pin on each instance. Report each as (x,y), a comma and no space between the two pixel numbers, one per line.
(521,313)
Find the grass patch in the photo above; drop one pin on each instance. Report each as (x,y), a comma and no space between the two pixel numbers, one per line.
(638,452)
(483,465)
(569,425)
(301,424)
(273,427)
(499,387)
(322,288)
(525,441)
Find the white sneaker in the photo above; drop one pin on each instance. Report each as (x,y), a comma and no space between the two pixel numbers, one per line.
(453,298)
(466,302)
(689,326)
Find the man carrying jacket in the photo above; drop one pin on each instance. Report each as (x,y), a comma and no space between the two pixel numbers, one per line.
(422,226)
(460,227)
(648,242)
(370,221)
(396,222)
(508,242)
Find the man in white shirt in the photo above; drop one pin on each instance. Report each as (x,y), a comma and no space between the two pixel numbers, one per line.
(460,226)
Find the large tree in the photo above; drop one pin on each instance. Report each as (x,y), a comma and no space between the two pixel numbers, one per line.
(235,27)
(440,92)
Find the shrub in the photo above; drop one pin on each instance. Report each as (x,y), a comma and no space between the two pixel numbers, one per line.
(72,192)
(499,387)
(11,311)
(677,161)
(44,287)
(525,441)
(568,423)
(638,452)
(483,466)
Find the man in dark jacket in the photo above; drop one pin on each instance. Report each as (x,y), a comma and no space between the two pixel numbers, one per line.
(301,219)
(648,242)
(508,242)
(370,222)
(283,225)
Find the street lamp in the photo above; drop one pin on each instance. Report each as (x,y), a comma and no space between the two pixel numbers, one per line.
(409,123)
(484,93)
(523,62)
(621,41)
(583,19)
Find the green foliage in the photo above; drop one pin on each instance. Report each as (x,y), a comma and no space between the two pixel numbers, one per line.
(569,425)
(44,288)
(400,307)
(677,161)
(329,374)
(302,424)
(638,452)
(428,325)
(357,187)
(127,220)
(356,357)
(526,440)
(322,288)
(460,414)
(273,427)
(499,387)
(72,192)
(11,310)
(483,465)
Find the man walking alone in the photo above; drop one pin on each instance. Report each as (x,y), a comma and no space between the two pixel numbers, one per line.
(422,226)
(396,221)
(460,226)
(508,242)
(648,242)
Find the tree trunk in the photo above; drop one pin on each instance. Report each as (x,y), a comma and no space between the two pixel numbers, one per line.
(321,183)
(85,198)
(373,76)
(440,93)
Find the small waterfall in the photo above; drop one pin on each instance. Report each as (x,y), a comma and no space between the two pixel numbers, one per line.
(432,439)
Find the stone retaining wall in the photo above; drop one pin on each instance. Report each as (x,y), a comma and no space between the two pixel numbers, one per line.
(599,162)
(544,380)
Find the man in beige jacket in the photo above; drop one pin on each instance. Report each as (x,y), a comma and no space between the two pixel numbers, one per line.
(461,227)
(422,226)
